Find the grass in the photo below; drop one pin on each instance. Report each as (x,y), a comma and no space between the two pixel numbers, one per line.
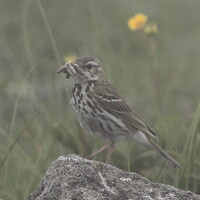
(37,124)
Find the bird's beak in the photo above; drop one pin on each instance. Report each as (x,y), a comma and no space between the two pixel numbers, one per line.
(67,69)
(78,69)
(71,69)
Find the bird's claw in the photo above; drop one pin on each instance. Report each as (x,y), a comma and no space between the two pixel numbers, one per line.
(89,157)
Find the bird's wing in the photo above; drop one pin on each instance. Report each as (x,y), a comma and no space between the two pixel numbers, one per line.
(107,97)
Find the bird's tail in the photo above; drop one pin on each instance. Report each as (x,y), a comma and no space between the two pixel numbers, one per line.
(164,154)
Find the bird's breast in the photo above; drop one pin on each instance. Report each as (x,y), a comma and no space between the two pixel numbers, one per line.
(82,99)
(92,117)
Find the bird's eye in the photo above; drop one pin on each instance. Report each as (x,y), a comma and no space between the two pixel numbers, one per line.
(89,66)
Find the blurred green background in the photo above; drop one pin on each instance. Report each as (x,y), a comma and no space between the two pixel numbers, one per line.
(36,121)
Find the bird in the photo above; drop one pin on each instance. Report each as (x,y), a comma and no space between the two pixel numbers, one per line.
(102,111)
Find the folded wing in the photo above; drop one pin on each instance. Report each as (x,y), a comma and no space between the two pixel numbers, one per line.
(107,97)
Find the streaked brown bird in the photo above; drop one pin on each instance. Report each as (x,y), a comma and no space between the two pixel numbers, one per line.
(102,111)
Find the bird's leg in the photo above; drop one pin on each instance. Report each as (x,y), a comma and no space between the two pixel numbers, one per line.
(112,146)
(100,150)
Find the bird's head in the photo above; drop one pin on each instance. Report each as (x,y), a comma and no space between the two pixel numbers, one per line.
(83,69)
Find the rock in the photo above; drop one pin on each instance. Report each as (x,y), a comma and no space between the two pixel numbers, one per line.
(75,178)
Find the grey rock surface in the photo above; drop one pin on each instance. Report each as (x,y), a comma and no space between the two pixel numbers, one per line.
(75,178)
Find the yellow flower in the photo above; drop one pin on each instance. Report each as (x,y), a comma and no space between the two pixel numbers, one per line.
(70,58)
(137,21)
(151,28)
